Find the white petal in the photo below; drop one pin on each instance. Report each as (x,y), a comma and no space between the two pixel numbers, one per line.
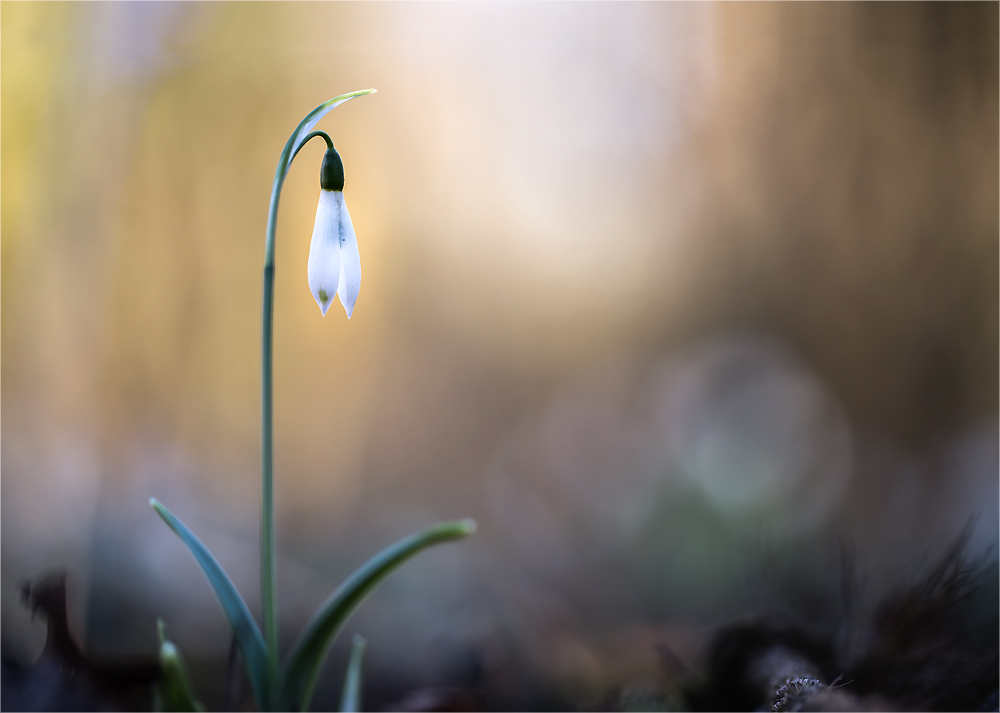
(350,261)
(324,250)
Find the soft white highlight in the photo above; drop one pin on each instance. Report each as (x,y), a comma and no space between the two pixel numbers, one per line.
(350,260)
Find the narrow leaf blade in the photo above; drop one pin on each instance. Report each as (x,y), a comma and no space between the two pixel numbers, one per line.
(244,627)
(350,699)
(309,123)
(174,691)
(303,664)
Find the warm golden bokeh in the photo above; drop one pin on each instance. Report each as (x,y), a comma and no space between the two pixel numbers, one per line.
(653,291)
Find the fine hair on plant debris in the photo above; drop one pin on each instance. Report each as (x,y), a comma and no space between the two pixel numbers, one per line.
(930,646)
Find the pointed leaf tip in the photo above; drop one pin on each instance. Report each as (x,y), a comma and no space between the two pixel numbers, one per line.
(173,691)
(468,525)
(250,640)
(301,668)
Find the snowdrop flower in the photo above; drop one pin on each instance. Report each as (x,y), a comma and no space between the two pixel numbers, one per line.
(334,261)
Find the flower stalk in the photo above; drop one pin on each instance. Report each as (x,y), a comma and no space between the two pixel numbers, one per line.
(289,685)
(268,576)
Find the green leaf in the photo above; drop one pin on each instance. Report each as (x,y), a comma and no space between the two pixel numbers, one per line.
(244,627)
(305,126)
(350,699)
(174,691)
(313,117)
(303,664)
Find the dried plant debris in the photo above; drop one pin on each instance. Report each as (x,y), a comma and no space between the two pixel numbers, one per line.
(931,647)
(65,677)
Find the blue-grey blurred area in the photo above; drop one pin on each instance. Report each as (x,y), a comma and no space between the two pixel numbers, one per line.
(678,301)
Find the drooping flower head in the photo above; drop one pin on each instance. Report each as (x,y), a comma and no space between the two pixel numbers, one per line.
(334,262)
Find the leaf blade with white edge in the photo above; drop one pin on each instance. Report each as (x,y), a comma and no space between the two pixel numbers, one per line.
(309,123)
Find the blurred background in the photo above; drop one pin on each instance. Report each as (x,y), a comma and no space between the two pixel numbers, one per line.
(676,300)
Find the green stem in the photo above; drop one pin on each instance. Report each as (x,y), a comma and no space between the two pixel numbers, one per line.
(350,697)
(326,138)
(268,576)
